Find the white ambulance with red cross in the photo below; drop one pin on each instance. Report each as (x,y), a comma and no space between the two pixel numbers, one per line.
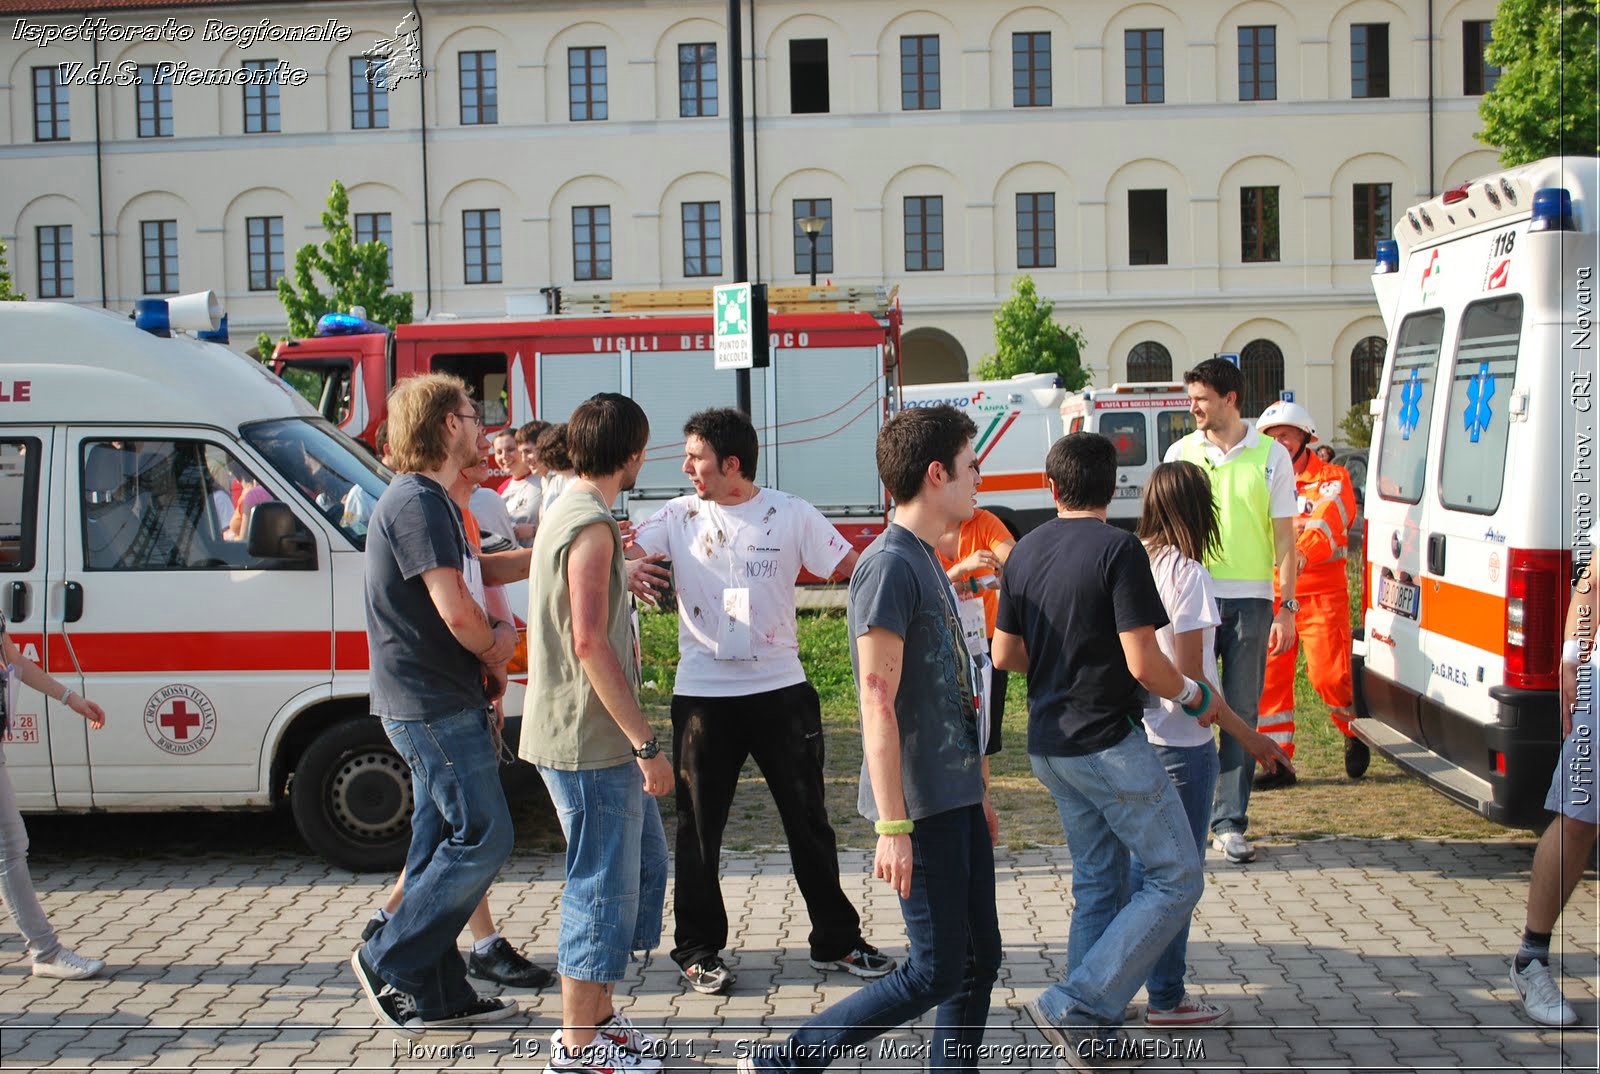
(1141,419)
(231,657)
(1481,482)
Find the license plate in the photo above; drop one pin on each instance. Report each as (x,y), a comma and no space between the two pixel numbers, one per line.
(1128,492)
(1399,597)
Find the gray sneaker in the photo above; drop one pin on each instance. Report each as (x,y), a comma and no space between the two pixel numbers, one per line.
(1234,847)
(67,965)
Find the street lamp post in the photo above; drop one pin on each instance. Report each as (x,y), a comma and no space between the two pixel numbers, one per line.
(812,226)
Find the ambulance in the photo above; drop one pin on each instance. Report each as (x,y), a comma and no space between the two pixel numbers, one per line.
(1142,419)
(1480,489)
(232,667)
(1017,419)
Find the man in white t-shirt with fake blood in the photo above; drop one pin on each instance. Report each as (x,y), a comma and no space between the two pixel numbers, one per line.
(735,551)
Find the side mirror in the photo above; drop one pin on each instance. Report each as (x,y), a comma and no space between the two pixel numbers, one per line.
(276,534)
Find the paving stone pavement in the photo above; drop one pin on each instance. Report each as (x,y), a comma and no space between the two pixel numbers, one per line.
(1335,955)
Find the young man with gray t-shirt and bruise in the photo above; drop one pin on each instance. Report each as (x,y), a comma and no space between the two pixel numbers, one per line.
(922,778)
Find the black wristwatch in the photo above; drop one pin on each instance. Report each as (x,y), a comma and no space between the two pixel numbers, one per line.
(1290,605)
(648,751)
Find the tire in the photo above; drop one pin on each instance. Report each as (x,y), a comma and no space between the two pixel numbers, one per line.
(351,797)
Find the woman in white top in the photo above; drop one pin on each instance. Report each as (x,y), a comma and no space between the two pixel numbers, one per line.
(1178,525)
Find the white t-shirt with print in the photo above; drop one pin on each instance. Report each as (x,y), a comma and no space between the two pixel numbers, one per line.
(760,545)
(1186,593)
(522,497)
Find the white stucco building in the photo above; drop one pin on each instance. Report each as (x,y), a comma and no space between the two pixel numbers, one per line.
(1181,179)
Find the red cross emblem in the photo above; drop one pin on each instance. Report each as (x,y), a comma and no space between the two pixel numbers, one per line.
(180,720)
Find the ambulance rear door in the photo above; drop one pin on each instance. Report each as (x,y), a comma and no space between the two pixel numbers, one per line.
(29,529)
(191,643)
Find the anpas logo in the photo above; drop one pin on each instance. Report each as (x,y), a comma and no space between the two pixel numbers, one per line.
(981,401)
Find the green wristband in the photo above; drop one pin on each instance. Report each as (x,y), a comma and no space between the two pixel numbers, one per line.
(892,827)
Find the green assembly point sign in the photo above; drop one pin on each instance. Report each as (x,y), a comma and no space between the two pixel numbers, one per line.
(732,332)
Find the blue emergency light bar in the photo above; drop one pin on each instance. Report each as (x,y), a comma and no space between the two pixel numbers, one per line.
(1388,257)
(219,336)
(150,315)
(1552,210)
(346,324)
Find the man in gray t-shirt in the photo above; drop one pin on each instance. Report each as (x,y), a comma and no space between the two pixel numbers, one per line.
(922,783)
(437,662)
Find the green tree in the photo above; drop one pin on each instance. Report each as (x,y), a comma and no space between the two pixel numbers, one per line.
(1028,340)
(356,274)
(6,293)
(1356,426)
(1544,103)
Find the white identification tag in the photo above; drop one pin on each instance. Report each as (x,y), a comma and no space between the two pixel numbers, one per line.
(985,677)
(972,624)
(473,573)
(638,650)
(733,643)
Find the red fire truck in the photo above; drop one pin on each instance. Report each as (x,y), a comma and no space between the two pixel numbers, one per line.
(833,379)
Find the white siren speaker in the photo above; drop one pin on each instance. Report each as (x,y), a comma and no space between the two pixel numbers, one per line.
(199,312)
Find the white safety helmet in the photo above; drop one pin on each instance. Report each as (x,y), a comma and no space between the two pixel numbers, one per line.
(1291,414)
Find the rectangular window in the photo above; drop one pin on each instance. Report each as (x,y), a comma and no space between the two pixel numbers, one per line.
(480,89)
(480,232)
(1372,220)
(19,503)
(154,92)
(1472,475)
(369,95)
(1030,70)
(1258,223)
(265,235)
(591,242)
(697,80)
(808,76)
(159,254)
(261,96)
(1478,74)
(1408,407)
(1258,63)
(50,117)
(702,238)
(1036,231)
(586,84)
(54,243)
(485,377)
(1147,227)
(377,227)
(823,209)
(925,234)
(1369,59)
(919,72)
(1127,432)
(1146,66)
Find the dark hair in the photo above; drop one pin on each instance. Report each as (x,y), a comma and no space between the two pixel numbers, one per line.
(727,432)
(551,446)
(914,439)
(604,432)
(380,438)
(1084,468)
(527,434)
(1179,511)
(1220,375)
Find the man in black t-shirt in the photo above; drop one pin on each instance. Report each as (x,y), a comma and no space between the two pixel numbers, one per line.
(1078,598)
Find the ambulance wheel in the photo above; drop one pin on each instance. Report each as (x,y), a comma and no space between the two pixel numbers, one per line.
(351,797)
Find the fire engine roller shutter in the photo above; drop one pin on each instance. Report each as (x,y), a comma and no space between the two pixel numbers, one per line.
(671,385)
(828,413)
(565,380)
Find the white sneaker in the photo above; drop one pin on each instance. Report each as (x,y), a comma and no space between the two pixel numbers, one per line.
(620,1030)
(1541,996)
(68,966)
(600,1057)
(1190,1011)
(1234,847)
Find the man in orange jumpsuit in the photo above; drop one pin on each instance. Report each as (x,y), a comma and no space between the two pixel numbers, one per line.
(1322,621)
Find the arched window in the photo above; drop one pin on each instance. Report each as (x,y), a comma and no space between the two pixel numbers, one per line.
(1366,366)
(1261,362)
(1149,361)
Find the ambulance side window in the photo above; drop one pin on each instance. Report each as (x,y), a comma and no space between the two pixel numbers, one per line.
(1126,432)
(1171,426)
(1472,472)
(1408,407)
(19,502)
(165,505)
(485,375)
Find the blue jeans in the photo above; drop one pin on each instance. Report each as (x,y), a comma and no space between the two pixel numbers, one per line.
(1193,770)
(1116,803)
(1242,653)
(616,883)
(460,837)
(954,935)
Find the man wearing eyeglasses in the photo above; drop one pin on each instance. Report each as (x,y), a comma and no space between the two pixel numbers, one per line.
(438,662)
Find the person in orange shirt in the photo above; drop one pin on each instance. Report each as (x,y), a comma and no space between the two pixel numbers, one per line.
(972,557)
(1322,620)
